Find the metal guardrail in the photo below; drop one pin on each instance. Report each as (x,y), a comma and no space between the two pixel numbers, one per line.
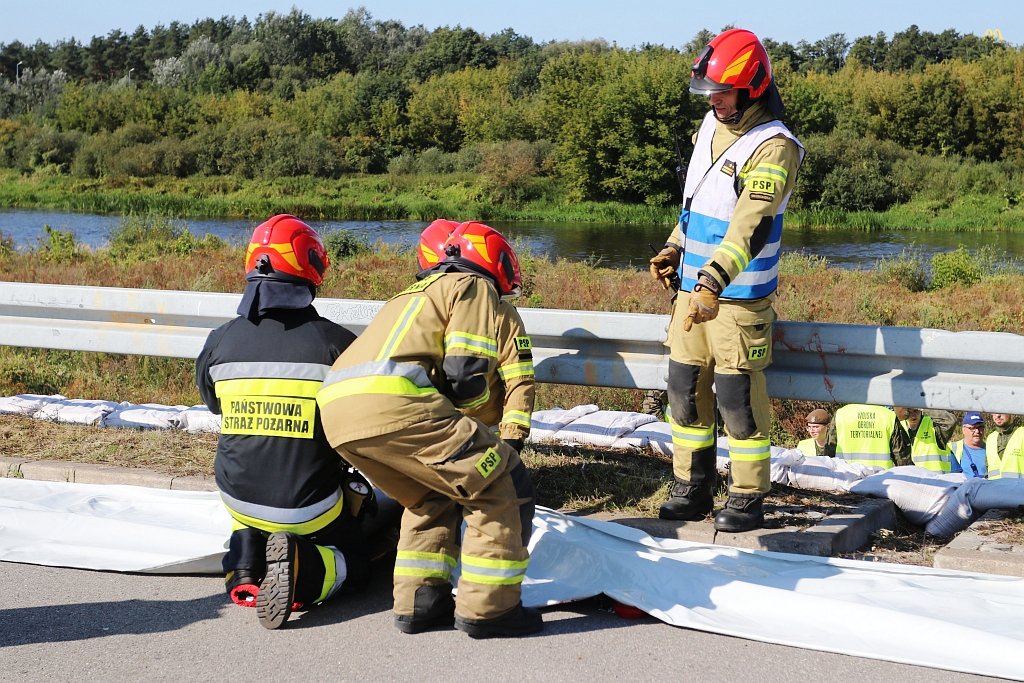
(820,362)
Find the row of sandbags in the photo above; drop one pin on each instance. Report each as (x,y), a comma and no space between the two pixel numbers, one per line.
(942,503)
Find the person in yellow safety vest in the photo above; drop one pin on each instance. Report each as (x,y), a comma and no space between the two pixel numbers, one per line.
(969,456)
(393,405)
(995,443)
(929,434)
(871,435)
(296,539)
(725,249)
(1012,462)
(822,440)
(513,389)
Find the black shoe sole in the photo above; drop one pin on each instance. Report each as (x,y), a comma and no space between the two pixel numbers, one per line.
(277,592)
(497,629)
(422,625)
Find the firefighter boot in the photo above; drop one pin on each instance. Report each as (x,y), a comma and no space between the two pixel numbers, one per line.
(519,621)
(244,566)
(687,502)
(277,592)
(741,513)
(433,607)
(692,499)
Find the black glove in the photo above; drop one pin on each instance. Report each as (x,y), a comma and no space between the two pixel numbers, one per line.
(516,444)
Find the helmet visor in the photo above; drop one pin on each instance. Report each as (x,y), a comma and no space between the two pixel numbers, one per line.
(706,86)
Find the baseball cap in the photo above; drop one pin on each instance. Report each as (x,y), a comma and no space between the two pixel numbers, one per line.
(818,416)
(973,419)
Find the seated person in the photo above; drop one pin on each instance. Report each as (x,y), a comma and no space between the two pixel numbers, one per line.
(929,433)
(969,452)
(822,439)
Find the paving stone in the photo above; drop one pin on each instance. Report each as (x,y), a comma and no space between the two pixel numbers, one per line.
(973,551)
(193,484)
(48,470)
(86,473)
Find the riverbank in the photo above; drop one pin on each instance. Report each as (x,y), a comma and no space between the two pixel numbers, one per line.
(425,197)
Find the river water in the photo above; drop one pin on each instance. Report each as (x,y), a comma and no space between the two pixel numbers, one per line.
(610,245)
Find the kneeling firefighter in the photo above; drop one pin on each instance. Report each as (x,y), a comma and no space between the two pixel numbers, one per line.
(725,249)
(393,406)
(297,539)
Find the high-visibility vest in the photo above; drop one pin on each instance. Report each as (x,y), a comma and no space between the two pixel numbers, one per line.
(863,433)
(993,459)
(807,447)
(925,451)
(957,450)
(1013,457)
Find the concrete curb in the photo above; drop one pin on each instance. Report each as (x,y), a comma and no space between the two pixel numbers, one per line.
(86,473)
(833,535)
(971,550)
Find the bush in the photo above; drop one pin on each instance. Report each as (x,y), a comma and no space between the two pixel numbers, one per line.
(851,173)
(342,244)
(906,270)
(955,268)
(151,238)
(58,247)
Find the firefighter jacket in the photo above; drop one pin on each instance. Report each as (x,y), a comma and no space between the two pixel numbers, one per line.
(925,450)
(274,467)
(870,435)
(429,353)
(511,391)
(737,187)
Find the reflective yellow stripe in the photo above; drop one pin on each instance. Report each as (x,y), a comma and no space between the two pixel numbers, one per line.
(774,170)
(750,450)
(471,342)
(493,572)
(734,252)
(330,572)
(424,564)
(518,417)
(307,527)
(267,387)
(513,370)
(400,386)
(476,402)
(402,326)
(693,437)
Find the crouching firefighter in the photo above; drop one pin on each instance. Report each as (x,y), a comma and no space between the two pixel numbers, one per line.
(393,405)
(296,539)
(726,251)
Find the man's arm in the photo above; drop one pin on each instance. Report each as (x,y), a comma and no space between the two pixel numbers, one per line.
(470,343)
(516,370)
(900,444)
(944,423)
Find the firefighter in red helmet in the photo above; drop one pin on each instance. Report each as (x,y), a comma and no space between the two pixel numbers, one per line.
(393,405)
(292,501)
(725,250)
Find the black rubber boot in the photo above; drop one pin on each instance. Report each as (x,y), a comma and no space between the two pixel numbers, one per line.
(519,621)
(433,607)
(687,502)
(277,592)
(741,513)
(691,500)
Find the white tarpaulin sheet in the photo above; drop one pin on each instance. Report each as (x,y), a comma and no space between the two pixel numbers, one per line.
(930,617)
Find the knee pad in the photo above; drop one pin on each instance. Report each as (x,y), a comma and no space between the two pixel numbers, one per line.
(733,393)
(247,551)
(682,392)
(525,493)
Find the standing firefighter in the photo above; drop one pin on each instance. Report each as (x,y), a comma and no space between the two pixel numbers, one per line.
(511,391)
(295,540)
(392,406)
(726,251)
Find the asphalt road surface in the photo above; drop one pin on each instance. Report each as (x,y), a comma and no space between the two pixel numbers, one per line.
(75,625)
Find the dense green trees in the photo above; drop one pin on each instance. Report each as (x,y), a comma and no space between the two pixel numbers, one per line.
(289,94)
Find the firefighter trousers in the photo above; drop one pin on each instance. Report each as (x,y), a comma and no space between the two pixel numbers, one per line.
(443,472)
(722,359)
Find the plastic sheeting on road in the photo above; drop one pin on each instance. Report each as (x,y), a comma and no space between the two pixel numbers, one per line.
(892,612)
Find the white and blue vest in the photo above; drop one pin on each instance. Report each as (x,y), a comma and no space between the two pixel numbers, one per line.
(711,191)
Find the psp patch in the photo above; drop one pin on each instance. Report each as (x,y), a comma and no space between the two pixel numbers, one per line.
(761,185)
(524,346)
(488,462)
(729,168)
(758,352)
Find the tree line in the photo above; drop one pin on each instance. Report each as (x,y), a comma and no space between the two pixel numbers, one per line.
(289,95)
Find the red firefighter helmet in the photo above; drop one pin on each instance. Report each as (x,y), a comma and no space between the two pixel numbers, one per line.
(285,248)
(484,250)
(733,59)
(430,251)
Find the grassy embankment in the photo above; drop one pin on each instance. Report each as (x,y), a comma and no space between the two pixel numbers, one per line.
(964,292)
(418,197)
